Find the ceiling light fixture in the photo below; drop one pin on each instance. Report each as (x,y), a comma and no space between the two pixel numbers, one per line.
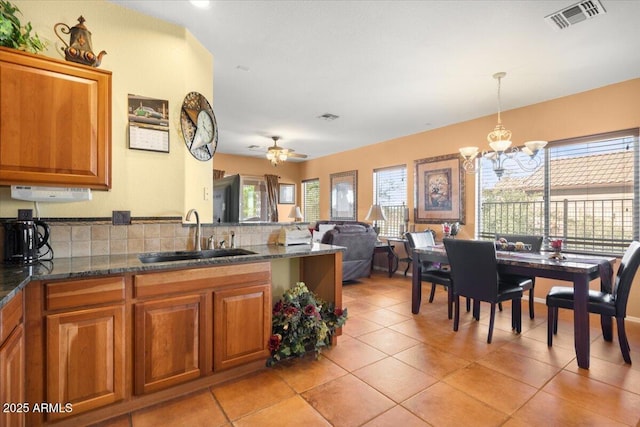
(201,4)
(500,142)
(276,154)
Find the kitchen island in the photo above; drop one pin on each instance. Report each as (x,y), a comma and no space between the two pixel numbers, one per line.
(95,337)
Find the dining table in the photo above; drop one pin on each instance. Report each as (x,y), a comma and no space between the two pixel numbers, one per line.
(575,268)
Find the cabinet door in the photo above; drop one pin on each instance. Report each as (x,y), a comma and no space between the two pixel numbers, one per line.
(12,379)
(56,122)
(169,342)
(241,325)
(85,358)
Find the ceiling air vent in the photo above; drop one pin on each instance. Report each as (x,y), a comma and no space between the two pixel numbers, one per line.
(575,13)
(328,116)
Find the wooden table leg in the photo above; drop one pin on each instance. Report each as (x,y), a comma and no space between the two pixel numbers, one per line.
(581,320)
(393,263)
(416,285)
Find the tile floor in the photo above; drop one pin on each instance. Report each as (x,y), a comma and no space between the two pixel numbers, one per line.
(391,368)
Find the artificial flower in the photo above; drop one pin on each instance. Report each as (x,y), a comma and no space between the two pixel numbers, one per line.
(302,323)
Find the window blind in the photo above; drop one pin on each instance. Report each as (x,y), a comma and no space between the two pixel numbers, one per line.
(311,200)
(390,192)
(585,192)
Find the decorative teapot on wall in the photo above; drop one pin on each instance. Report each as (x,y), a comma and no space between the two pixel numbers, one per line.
(79,49)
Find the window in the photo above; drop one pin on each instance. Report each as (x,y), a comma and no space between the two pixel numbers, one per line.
(311,200)
(253,206)
(390,192)
(585,192)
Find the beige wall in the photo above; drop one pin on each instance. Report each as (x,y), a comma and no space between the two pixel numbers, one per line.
(147,57)
(600,110)
(610,108)
(153,58)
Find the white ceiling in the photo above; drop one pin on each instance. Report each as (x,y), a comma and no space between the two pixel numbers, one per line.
(391,68)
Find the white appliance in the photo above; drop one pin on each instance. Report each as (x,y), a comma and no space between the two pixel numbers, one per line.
(50,194)
(294,235)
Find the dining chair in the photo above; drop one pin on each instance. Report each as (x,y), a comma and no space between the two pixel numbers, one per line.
(536,246)
(474,272)
(408,248)
(432,273)
(607,303)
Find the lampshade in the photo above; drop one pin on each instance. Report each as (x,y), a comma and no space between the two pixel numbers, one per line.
(469,152)
(375,214)
(532,147)
(500,146)
(295,213)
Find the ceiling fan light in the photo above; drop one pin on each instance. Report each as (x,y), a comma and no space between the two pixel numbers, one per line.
(282,156)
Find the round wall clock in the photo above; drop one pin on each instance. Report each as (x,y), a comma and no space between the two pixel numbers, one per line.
(199,127)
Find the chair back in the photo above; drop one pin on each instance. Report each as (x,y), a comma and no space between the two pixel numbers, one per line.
(624,277)
(474,269)
(420,239)
(527,239)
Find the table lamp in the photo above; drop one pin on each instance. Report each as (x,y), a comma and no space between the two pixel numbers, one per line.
(376,214)
(295,213)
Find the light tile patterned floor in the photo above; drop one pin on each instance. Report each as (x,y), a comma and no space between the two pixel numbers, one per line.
(392,368)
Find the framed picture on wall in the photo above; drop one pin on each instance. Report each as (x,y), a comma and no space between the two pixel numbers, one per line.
(439,186)
(344,196)
(287,194)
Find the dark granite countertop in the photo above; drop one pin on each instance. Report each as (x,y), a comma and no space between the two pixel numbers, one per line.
(14,278)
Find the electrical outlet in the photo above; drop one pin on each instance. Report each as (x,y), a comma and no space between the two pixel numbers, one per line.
(25,214)
(121,217)
(206,193)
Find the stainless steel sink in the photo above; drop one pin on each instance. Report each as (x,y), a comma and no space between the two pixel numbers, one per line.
(186,255)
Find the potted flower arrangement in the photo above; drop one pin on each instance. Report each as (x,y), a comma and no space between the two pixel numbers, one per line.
(556,245)
(302,323)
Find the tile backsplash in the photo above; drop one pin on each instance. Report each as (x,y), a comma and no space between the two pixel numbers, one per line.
(92,238)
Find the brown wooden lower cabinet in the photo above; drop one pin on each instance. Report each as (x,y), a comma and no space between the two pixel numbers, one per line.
(12,380)
(115,344)
(169,345)
(242,325)
(85,359)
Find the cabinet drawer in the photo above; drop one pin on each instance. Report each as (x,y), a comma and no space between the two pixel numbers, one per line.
(198,279)
(10,316)
(80,293)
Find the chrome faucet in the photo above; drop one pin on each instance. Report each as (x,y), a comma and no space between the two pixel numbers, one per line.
(233,240)
(188,218)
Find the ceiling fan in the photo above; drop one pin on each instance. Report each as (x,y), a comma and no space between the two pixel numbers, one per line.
(277,154)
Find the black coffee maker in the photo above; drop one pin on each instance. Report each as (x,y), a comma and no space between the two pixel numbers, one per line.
(23,240)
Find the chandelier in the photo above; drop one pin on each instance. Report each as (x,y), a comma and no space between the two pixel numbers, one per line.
(500,142)
(277,154)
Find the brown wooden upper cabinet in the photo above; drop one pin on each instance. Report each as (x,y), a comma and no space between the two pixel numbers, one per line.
(56,122)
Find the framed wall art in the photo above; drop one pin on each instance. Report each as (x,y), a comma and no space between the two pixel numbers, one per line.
(287,194)
(439,186)
(344,196)
(148,123)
